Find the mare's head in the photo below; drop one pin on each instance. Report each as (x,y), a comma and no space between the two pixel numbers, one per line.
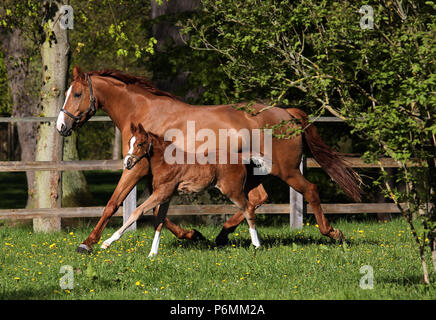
(141,145)
(79,105)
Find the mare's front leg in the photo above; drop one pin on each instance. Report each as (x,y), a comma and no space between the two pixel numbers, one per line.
(128,180)
(159,196)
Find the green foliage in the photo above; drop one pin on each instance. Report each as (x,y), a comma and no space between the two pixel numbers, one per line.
(5,97)
(111,34)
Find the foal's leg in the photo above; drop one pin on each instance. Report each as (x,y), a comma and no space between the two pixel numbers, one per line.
(310,193)
(155,199)
(234,189)
(179,232)
(257,196)
(248,210)
(158,224)
(128,180)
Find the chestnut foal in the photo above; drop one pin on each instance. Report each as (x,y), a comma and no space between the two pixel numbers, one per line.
(187,178)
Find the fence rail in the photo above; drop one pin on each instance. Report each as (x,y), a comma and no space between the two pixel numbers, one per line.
(83,165)
(186,210)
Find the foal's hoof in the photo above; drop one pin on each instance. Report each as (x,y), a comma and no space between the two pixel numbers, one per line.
(197,236)
(83,248)
(338,236)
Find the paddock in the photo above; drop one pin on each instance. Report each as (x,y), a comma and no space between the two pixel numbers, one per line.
(376,262)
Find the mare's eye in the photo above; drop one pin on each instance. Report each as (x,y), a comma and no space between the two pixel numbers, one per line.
(140,144)
(77,94)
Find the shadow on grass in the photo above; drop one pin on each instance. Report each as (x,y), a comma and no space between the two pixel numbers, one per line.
(270,242)
(405,281)
(29,294)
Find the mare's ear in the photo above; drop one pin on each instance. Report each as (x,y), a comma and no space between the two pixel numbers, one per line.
(78,73)
(133,128)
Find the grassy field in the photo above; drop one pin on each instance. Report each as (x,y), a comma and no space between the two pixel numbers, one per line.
(292,265)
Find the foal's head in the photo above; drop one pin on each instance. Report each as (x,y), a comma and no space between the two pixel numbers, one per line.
(141,145)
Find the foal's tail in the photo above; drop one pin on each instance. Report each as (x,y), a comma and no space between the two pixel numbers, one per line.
(330,160)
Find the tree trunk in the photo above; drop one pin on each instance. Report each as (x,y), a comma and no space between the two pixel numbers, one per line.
(24,104)
(117,145)
(54,55)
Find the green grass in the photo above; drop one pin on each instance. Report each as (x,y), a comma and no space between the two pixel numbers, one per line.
(292,265)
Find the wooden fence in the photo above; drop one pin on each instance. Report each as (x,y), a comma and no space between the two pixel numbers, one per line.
(295,208)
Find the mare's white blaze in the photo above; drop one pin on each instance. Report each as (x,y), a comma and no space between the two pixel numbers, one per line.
(155,245)
(61,117)
(132,144)
(254,238)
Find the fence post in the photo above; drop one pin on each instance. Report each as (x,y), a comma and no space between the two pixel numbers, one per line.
(296,205)
(129,205)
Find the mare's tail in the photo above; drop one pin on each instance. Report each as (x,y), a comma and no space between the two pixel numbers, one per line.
(329,160)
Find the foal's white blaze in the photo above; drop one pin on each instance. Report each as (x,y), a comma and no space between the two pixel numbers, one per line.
(61,117)
(132,143)
(155,245)
(254,238)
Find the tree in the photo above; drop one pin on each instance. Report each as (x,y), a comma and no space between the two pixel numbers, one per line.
(376,72)
(54,55)
(17,53)
(36,40)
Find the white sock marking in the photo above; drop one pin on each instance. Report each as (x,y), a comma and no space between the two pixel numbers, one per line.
(155,245)
(254,238)
(109,241)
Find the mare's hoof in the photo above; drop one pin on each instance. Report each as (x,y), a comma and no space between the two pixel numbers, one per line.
(197,236)
(83,248)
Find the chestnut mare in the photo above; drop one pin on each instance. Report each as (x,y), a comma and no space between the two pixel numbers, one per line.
(126,99)
(229,178)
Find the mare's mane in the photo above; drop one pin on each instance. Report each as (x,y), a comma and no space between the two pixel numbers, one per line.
(135,80)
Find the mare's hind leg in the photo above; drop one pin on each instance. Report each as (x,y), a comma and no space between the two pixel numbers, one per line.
(310,193)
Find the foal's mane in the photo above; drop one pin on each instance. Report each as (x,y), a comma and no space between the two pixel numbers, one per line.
(131,79)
